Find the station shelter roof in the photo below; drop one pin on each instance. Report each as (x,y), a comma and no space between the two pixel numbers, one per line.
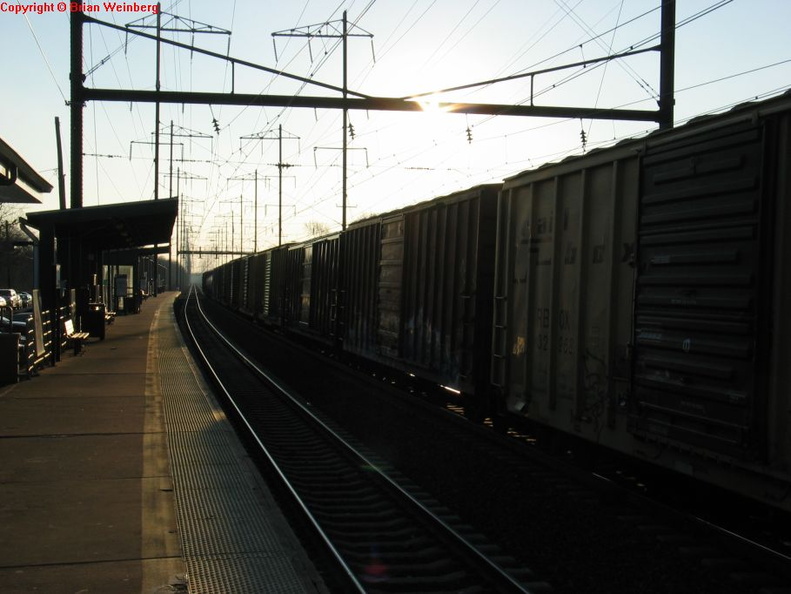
(114,226)
(19,182)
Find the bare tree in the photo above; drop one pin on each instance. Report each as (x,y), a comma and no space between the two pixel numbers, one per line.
(16,261)
(317,228)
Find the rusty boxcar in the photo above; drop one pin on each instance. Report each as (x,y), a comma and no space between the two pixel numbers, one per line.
(642,298)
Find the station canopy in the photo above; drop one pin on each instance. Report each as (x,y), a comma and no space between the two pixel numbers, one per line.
(112,227)
(19,182)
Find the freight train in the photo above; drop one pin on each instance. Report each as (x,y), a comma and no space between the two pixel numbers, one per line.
(637,296)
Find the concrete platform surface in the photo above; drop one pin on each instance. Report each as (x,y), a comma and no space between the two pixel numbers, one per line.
(88,456)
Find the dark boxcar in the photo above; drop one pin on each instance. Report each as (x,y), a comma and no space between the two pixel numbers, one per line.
(273,285)
(700,344)
(447,287)
(207,283)
(310,285)
(256,274)
(433,288)
(357,301)
(324,288)
(642,298)
(239,283)
(565,275)
(224,294)
(296,285)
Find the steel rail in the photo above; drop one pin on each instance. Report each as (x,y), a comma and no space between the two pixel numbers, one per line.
(471,550)
(348,572)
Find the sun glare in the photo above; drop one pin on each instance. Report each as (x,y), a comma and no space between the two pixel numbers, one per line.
(434,107)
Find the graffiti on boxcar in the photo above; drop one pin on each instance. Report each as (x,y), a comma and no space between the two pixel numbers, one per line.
(571,254)
(595,390)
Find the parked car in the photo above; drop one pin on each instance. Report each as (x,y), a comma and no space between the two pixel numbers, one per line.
(14,325)
(26,299)
(11,297)
(22,316)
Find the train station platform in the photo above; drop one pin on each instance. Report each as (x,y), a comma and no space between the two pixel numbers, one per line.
(119,473)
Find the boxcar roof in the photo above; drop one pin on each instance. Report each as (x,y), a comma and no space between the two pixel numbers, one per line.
(636,145)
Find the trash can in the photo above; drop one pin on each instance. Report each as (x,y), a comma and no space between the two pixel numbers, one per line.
(93,322)
(9,358)
(131,305)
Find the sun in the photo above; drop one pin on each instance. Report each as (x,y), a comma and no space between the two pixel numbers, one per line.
(434,107)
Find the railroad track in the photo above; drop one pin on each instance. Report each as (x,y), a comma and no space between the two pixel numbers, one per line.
(379,531)
(582,533)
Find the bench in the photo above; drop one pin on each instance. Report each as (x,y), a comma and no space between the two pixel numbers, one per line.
(75,338)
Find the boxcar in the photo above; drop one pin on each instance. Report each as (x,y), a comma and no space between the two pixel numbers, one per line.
(254,298)
(222,282)
(642,298)
(207,283)
(311,286)
(418,290)
(262,290)
(359,309)
(239,282)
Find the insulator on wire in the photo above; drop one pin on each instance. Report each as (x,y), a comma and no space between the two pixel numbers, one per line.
(469,135)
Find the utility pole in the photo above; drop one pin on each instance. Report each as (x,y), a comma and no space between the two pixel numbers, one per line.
(156,109)
(255,212)
(183,133)
(667,65)
(181,25)
(75,107)
(255,208)
(344,98)
(184,241)
(180,227)
(170,195)
(330,30)
(359,101)
(345,120)
(61,175)
(232,239)
(156,140)
(170,189)
(280,166)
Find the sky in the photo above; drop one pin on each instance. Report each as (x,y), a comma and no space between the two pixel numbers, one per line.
(727,52)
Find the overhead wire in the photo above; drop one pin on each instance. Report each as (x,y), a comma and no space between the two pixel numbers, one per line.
(314,71)
(436,52)
(44,56)
(446,38)
(585,136)
(110,119)
(583,71)
(244,155)
(330,49)
(454,29)
(637,45)
(332,191)
(685,22)
(607,47)
(95,133)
